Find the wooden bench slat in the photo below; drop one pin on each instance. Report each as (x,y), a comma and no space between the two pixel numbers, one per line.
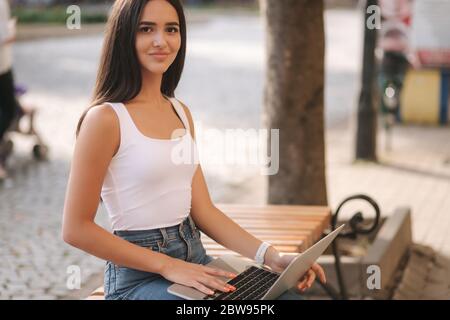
(268,236)
(217,251)
(274,207)
(279,220)
(282,226)
(263,212)
(315,231)
(297,243)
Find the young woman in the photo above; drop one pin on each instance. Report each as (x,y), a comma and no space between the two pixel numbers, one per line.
(8,102)
(124,154)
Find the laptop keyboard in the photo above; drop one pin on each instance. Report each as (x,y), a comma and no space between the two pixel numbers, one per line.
(251,284)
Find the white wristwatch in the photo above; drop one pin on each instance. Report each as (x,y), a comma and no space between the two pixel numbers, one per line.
(259,256)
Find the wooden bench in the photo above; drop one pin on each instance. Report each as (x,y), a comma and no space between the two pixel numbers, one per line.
(290,228)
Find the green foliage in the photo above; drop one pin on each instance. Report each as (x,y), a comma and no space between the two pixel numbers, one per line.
(54,15)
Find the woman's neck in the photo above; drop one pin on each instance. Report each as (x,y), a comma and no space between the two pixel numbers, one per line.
(150,93)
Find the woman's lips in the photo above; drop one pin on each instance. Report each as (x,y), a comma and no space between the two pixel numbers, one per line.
(160,56)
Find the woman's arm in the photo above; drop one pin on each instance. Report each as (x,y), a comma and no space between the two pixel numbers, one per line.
(7,25)
(4,32)
(97,142)
(218,226)
(214,223)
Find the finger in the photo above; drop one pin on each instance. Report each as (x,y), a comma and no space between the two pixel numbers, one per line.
(320,272)
(202,288)
(218,284)
(219,272)
(301,286)
(305,284)
(311,278)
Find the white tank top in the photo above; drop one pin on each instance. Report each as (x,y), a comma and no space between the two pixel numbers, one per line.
(148,182)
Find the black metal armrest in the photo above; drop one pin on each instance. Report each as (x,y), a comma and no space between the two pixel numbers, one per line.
(355,227)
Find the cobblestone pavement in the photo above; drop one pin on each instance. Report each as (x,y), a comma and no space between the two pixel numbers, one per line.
(223,85)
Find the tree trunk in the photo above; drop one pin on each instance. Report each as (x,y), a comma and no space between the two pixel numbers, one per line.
(294,99)
(366,134)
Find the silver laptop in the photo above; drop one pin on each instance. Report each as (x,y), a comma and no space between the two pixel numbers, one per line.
(256,282)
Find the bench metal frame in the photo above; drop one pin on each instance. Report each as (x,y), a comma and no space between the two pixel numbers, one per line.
(356,227)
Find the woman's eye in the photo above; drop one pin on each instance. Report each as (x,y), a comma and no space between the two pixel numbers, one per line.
(172,30)
(145,29)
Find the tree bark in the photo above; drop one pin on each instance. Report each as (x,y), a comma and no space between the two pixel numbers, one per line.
(294,99)
(366,134)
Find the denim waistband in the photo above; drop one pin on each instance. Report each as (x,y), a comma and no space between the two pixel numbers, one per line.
(187,226)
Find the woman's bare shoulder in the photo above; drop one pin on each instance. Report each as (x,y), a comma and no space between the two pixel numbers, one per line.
(99,134)
(101,128)
(101,117)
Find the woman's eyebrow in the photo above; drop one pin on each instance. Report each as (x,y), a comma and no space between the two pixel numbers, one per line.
(150,23)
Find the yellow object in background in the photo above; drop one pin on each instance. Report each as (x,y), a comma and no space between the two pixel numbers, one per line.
(421,96)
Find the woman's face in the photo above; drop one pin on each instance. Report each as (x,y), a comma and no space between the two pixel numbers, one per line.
(158,33)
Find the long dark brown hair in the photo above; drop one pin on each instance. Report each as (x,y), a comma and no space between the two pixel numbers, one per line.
(119,76)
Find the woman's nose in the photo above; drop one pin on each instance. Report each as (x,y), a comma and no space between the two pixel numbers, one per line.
(159,39)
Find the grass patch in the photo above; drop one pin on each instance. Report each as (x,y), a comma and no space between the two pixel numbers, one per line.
(55,15)
(224,7)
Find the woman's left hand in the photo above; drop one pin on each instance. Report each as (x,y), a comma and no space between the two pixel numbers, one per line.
(278,262)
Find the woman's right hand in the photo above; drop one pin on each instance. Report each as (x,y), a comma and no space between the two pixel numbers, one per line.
(198,276)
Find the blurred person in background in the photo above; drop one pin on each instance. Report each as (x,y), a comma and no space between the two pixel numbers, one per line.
(8,102)
(395,54)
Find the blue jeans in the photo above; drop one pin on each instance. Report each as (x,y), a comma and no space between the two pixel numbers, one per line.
(180,241)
